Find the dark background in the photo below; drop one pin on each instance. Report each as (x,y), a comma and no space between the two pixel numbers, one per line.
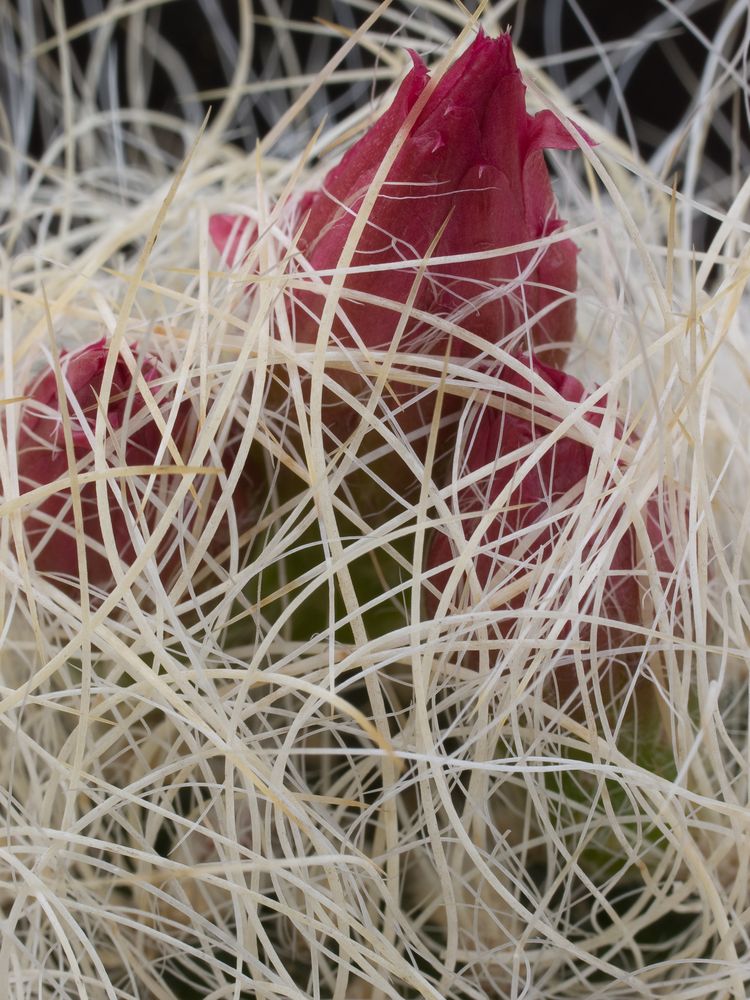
(644,91)
(655,92)
(656,78)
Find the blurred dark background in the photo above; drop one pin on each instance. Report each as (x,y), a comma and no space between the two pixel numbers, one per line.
(634,67)
(655,52)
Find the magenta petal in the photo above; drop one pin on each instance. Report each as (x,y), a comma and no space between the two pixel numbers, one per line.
(473,77)
(557,277)
(485,218)
(538,199)
(505,130)
(415,201)
(547,131)
(351,177)
(229,234)
(220,227)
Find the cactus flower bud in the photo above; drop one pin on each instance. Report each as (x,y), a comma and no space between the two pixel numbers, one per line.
(526,563)
(43,459)
(474,158)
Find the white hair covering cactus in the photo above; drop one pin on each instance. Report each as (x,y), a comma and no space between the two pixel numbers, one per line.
(288,768)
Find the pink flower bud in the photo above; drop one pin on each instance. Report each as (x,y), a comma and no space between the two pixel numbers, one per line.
(474,157)
(132,438)
(537,523)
